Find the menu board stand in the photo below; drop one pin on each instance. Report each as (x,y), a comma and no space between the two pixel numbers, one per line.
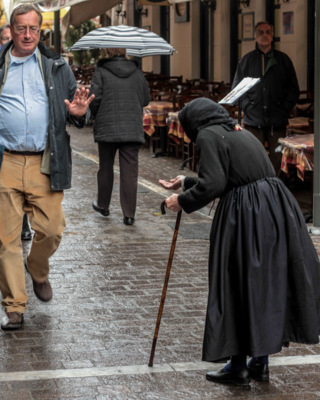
(236,94)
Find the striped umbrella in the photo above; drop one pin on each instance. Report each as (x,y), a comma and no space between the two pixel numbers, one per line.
(138,42)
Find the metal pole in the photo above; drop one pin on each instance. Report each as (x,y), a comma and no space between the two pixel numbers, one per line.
(57,37)
(316,170)
(211,49)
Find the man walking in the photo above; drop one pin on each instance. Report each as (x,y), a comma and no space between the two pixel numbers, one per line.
(38,95)
(267,105)
(5,37)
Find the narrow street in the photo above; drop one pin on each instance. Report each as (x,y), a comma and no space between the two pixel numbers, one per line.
(93,340)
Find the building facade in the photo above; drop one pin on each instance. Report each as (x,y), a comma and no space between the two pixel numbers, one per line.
(211,36)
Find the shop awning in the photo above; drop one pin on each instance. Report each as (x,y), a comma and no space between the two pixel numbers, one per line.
(48,18)
(87,10)
(160,2)
(153,2)
(49,5)
(7,6)
(46,7)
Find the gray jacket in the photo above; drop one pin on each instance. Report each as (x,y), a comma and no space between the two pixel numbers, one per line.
(60,85)
(121,91)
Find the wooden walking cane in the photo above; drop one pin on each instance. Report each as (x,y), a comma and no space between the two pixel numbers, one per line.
(165,285)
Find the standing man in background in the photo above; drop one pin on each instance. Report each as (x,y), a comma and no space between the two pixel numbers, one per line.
(268,104)
(5,34)
(38,94)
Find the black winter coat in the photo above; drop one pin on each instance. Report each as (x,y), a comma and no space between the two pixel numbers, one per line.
(60,84)
(268,103)
(121,91)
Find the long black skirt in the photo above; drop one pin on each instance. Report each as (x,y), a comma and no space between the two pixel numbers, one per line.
(264,274)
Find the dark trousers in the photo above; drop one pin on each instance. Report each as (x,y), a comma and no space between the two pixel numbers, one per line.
(25,224)
(128,162)
(269,138)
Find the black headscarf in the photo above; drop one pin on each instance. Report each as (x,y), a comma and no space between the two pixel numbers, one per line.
(203,112)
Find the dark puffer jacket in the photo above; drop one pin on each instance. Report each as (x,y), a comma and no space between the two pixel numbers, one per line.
(268,103)
(121,92)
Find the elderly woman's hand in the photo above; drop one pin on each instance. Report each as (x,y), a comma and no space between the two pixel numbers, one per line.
(173,184)
(172,203)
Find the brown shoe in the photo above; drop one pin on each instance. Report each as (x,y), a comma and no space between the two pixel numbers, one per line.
(42,290)
(14,320)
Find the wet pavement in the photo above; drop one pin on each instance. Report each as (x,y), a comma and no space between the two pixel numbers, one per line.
(93,340)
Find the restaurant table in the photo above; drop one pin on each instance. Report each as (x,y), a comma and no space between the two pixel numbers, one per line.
(155,118)
(297,152)
(159,111)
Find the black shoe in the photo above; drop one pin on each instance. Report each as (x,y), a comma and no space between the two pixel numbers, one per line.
(128,221)
(238,378)
(26,235)
(259,372)
(102,211)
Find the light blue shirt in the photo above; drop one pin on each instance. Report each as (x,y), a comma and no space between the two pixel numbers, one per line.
(24,109)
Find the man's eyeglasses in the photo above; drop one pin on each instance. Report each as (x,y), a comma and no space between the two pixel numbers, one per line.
(261,32)
(22,30)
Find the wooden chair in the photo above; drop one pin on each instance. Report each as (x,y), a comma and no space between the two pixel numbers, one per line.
(154,141)
(187,96)
(175,79)
(196,82)
(190,157)
(174,146)
(187,155)
(165,95)
(293,129)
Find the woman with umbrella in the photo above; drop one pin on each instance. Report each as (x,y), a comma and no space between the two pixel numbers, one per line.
(121,91)
(264,275)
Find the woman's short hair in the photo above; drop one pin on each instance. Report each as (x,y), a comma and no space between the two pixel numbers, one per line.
(116,52)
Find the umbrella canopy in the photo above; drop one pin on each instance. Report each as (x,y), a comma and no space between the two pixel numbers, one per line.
(138,42)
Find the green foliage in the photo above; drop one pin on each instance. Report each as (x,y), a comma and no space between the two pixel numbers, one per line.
(83,57)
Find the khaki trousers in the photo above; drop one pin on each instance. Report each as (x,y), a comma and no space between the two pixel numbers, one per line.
(24,189)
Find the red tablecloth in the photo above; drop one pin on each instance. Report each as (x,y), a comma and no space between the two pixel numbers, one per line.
(297,152)
(175,128)
(148,122)
(159,111)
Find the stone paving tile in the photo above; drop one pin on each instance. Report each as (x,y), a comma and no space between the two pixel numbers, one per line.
(107,280)
(16,395)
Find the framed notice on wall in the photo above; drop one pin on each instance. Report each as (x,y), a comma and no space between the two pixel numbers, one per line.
(181,12)
(248,26)
(287,23)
